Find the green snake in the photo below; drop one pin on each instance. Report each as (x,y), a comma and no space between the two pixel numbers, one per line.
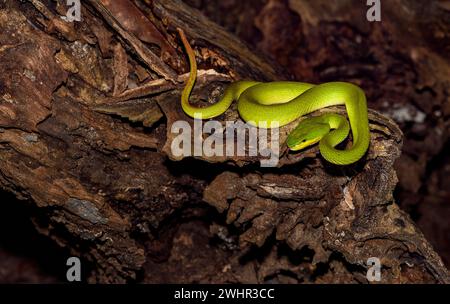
(282,102)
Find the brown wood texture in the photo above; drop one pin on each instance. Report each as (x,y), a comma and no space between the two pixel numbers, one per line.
(85,116)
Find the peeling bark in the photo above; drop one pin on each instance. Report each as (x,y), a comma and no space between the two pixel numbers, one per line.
(85,117)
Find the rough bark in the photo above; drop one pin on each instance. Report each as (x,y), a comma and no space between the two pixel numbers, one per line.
(85,138)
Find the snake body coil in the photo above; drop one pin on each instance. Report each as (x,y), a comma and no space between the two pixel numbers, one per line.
(285,101)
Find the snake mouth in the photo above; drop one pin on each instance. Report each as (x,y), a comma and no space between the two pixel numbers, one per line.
(304,144)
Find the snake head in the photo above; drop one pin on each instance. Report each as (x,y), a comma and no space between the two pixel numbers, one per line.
(307,133)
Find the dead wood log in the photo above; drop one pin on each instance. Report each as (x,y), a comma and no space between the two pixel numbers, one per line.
(85,118)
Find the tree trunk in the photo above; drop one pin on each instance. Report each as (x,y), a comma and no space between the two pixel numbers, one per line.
(86,115)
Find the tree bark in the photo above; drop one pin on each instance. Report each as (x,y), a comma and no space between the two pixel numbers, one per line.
(86,115)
